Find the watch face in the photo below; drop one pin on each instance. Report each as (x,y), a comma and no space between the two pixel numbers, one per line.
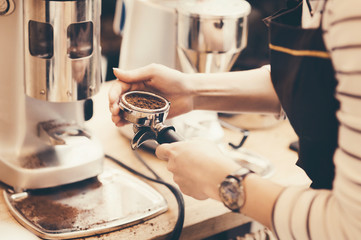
(231,194)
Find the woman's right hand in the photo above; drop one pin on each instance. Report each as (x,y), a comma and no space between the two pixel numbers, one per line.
(156,78)
(198,166)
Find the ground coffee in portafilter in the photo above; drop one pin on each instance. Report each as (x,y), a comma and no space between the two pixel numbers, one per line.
(145,101)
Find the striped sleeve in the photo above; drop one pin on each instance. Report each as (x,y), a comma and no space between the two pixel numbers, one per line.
(323,214)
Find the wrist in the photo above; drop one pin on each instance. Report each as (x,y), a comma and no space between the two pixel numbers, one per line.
(221,173)
(198,88)
(232,189)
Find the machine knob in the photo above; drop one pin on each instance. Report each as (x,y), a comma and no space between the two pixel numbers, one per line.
(6,7)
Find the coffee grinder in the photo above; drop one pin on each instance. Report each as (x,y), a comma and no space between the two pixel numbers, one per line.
(52,165)
(52,55)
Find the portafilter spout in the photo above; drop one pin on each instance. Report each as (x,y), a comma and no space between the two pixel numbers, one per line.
(147,112)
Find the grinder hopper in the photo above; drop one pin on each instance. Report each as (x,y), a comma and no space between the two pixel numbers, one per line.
(211,34)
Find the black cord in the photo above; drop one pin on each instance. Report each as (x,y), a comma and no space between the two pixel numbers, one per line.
(177,230)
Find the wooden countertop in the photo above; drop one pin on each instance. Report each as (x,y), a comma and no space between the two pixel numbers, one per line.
(202,218)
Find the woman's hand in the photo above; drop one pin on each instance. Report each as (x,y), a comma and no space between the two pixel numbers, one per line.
(155,78)
(198,166)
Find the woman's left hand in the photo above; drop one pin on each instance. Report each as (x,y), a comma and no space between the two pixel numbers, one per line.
(198,166)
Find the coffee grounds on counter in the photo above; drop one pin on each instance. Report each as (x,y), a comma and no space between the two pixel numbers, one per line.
(62,208)
(48,214)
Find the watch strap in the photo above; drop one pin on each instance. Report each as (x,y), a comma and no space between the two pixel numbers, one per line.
(240,174)
(231,190)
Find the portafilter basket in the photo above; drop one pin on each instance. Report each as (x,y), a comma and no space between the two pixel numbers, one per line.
(147,112)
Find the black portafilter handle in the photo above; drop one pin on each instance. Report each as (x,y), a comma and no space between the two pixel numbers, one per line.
(168,135)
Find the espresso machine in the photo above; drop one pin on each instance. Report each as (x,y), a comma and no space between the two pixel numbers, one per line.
(50,162)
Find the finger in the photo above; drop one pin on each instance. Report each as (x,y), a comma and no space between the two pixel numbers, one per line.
(116,118)
(200,196)
(121,123)
(194,194)
(114,108)
(171,166)
(133,76)
(115,92)
(119,120)
(163,151)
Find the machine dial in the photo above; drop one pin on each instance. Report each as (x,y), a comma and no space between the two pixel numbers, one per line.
(6,7)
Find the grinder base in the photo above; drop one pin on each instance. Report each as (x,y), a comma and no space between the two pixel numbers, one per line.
(109,202)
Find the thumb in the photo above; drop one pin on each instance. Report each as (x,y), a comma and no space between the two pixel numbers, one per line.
(163,151)
(133,76)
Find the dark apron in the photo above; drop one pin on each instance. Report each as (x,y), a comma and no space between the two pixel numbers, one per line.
(304,80)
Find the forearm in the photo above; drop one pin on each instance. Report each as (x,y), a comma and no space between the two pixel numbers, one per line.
(242,91)
(261,196)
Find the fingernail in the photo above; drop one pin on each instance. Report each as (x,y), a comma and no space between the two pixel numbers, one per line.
(116,70)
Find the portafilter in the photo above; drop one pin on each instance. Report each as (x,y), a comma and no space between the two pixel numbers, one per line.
(147,112)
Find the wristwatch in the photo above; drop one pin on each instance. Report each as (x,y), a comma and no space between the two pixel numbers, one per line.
(231,190)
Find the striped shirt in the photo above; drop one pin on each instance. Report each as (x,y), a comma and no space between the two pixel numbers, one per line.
(303,213)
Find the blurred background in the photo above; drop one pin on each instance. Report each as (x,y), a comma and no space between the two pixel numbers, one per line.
(254,55)
(110,42)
